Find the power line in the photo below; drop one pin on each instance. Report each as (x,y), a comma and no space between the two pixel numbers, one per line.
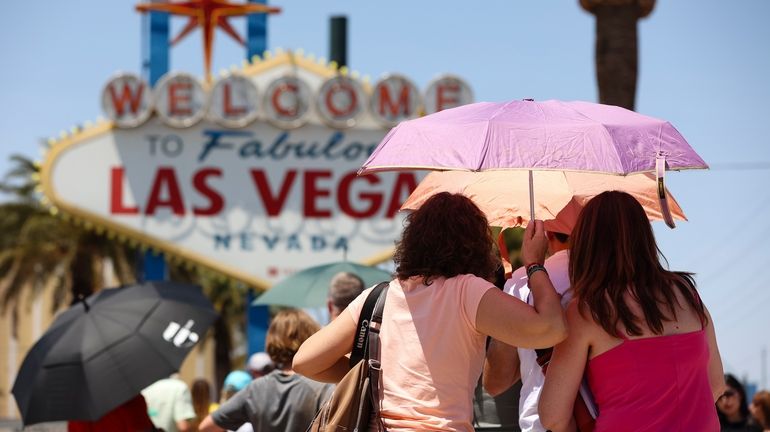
(739,316)
(721,270)
(707,252)
(740,166)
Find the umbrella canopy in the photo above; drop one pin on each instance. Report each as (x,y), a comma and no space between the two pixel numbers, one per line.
(103,351)
(549,135)
(503,196)
(310,287)
(528,135)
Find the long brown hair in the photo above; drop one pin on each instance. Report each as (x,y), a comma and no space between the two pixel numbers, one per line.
(447,236)
(614,253)
(201,398)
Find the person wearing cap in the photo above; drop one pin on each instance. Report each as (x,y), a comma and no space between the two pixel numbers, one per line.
(506,364)
(235,381)
(259,364)
(343,289)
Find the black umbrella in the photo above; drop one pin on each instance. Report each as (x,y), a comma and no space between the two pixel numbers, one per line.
(103,351)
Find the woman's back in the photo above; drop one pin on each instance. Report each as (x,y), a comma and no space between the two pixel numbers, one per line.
(437,315)
(638,330)
(653,382)
(432,353)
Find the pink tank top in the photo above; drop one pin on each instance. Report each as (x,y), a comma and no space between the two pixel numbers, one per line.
(654,384)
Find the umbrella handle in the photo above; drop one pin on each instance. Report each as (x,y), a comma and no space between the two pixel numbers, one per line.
(660,171)
(531,197)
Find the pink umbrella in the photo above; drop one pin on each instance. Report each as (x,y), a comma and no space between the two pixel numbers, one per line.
(529,135)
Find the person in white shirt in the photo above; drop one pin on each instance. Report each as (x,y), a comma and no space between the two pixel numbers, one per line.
(505,364)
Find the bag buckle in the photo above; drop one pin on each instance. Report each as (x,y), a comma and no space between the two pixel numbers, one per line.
(375,364)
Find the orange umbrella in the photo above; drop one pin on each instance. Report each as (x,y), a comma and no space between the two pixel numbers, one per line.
(504,195)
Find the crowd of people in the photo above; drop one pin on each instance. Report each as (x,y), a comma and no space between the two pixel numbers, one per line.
(737,414)
(633,349)
(600,335)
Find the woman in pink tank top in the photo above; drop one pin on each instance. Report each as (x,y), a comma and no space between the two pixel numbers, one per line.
(638,333)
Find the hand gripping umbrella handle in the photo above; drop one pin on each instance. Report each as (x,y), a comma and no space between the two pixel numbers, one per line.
(660,172)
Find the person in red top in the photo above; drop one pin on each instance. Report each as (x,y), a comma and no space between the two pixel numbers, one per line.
(640,332)
(131,416)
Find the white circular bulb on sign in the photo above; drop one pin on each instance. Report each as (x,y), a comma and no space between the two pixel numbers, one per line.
(395,98)
(180,100)
(127,100)
(233,101)
(340,101)
(286,102)
(447,91)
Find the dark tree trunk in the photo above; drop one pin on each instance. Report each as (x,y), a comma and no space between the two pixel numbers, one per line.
(82,271)
(222,349)
(617,53)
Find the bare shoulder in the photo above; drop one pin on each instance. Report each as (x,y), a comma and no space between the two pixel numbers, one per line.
(577,315)
(580,324)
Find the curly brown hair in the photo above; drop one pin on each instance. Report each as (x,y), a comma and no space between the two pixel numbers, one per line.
(288,330)
(762,403)
(447,236)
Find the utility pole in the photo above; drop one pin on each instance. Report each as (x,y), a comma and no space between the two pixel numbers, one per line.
(616,47)
(155,64)
(763,371)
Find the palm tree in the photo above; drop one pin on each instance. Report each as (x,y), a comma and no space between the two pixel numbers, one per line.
(39,250)
(616,47)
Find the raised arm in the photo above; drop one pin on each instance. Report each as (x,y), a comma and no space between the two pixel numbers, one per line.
(512,321)
(322,356)
(565,372)
(501,368)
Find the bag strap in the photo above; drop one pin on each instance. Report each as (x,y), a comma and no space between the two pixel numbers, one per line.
(374,354)
(361,338)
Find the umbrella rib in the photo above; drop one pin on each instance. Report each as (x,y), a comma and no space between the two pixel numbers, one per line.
(118,341)
(606,131)
(485,150)
(171,366)
(146,316)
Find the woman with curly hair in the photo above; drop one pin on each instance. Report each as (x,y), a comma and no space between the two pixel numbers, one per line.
(438,312)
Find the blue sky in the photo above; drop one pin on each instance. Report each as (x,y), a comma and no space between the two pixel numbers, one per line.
(704,66)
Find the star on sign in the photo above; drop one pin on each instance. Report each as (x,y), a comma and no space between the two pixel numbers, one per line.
(208,14)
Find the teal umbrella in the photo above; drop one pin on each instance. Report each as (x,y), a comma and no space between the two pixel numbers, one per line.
(310,287)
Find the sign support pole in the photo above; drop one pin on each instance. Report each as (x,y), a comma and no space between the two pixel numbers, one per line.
(258,317)
(256,42)
(155,64)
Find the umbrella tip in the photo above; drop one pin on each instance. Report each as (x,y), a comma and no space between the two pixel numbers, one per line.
(528,99)
(82,299)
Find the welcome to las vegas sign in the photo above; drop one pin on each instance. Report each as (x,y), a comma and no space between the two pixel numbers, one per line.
(254,175)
